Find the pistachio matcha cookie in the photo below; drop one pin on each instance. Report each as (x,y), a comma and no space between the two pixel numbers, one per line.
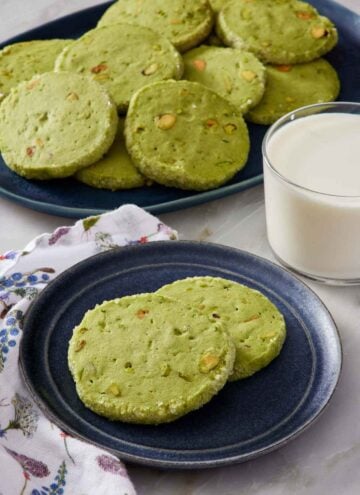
(21,61)
(276,31)
(56,124)
(114,170)
(254,323)
(123,58)
(292,86)
(148,359)
(184,135)
(184,22)
(236,75)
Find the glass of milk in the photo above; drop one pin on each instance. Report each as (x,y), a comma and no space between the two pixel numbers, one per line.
(312,191)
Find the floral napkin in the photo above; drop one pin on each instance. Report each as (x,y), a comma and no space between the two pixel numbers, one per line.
(36,458)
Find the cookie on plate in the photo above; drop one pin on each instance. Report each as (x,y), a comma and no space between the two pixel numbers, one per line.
(148,359)
(21,61)
(123,58)
(276,31)
(184,22)
(292,86)
(254,323)
(236,75)
(56,124)
(114,170)
(182,134)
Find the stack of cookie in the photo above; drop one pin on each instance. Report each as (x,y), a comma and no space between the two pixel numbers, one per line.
(151,358)
(61,98)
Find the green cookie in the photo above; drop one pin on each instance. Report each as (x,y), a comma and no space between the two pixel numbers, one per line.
(115,170)
(235,75)
(22,61)
(184,22)
(123,58)
(184,135)
(217,5)
(254,323)
(276,31)
(148,359)
(56,124)
(292,86)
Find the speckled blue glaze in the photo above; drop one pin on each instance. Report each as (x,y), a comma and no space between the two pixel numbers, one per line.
(247,418)
(72,199)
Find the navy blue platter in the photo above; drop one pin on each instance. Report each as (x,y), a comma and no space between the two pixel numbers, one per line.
(247,418)
(72,199)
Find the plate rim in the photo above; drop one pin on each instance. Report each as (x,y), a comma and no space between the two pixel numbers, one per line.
(193,464)
(165,207)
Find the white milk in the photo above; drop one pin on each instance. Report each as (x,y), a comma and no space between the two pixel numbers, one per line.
(317,233)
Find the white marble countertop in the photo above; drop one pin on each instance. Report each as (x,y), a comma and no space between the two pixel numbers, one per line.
(326,458)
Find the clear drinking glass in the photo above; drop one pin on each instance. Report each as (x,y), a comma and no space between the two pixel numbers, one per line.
(313,231)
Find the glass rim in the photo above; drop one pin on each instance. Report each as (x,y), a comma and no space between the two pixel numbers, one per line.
(273,128)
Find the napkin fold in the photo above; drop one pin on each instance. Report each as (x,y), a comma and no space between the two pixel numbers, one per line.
(36,457)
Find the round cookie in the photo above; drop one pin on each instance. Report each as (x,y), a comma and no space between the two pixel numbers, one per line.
(292,86)
(182,134)
(276,31)
(56,124)
(148,359)
(184,22)
(115,170)
(236,75)
(254,323)
(21,61)
(123,58)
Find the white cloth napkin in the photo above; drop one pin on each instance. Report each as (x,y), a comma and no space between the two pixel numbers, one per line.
(36,458)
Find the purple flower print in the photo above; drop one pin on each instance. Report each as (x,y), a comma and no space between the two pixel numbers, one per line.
(111,465)
(60,232)
(57,485)
(30,467)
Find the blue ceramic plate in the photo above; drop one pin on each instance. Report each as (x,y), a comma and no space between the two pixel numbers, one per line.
(72,199)
(247,418)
